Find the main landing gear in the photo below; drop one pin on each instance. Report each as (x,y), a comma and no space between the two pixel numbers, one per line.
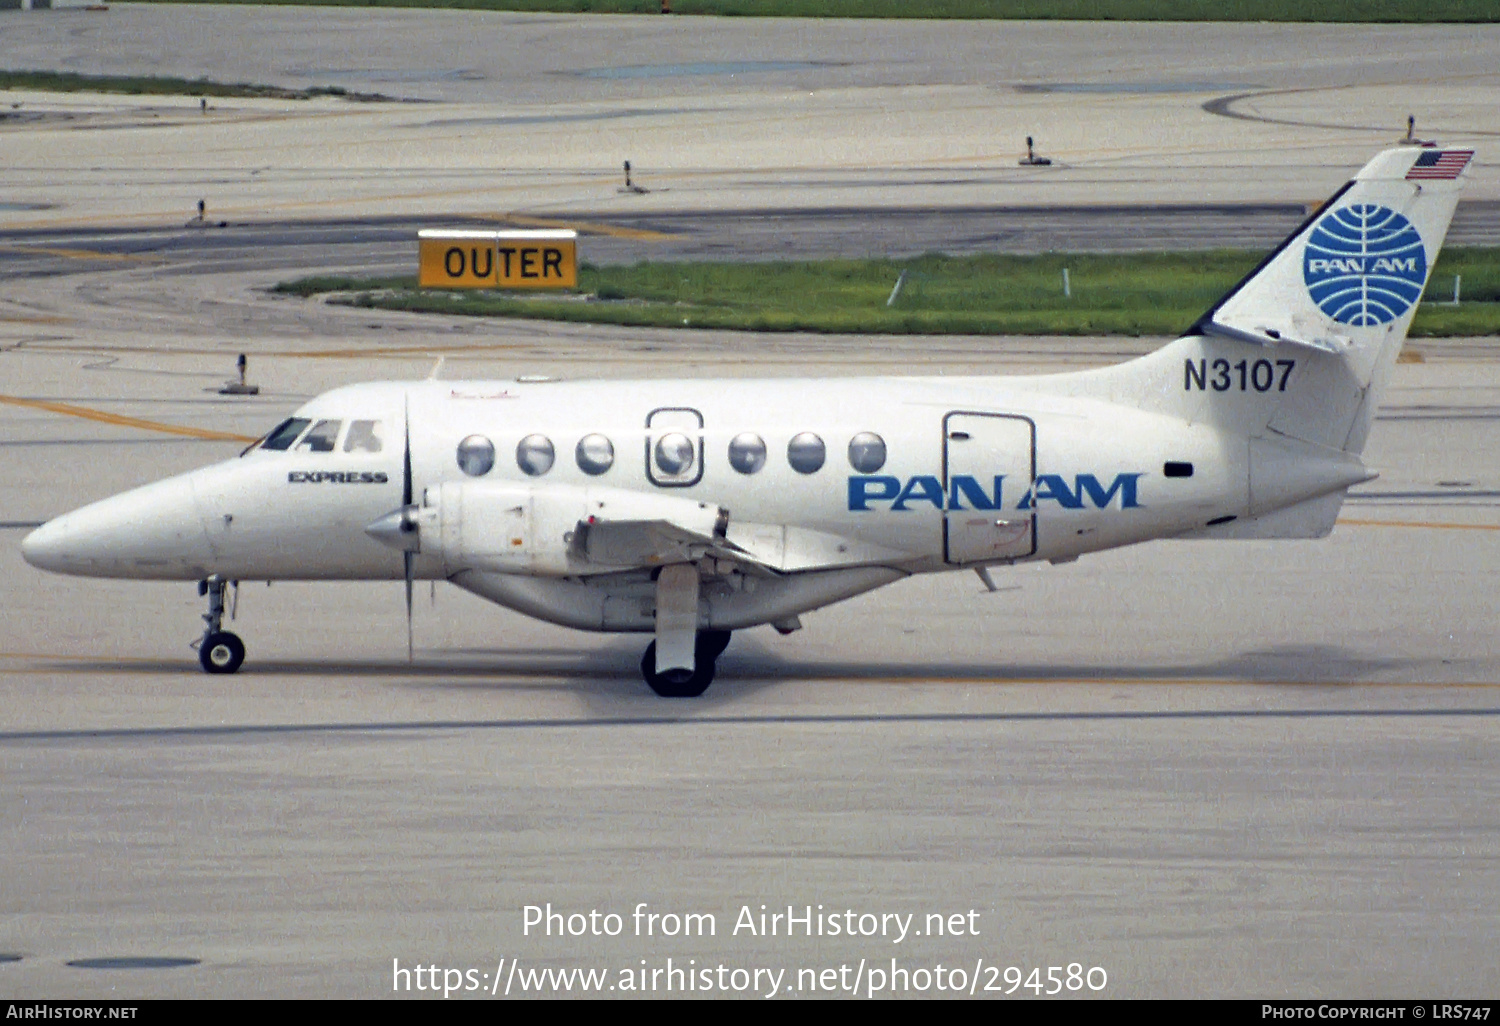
(680,683)
(220,651)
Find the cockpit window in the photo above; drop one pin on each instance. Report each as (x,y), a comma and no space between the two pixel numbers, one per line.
(285,434)
(364,436)
(322,437)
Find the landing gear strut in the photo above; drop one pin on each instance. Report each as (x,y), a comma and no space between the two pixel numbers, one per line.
(220,651)
(678,683)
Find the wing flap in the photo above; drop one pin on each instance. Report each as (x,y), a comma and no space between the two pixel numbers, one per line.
(778,548)
(790,549)
(639,543)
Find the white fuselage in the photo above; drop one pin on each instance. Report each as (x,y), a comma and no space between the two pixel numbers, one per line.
(785,494)
(1091,472)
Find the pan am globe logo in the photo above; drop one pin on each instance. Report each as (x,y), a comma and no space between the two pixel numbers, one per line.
(1364,265)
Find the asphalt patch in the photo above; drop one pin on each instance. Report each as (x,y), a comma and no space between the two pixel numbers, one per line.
(133,962)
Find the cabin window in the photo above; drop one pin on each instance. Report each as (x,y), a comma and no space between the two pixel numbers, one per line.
(322,437)
(476,455)
(364,436)
(535,455)
(674,453)
(285,434)
(806,453)
(747,453)
(595,454)
(867,452)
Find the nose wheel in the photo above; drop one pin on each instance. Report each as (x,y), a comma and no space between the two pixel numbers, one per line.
(220,651)
(677,683)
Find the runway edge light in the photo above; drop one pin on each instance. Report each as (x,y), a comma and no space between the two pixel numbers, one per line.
(477,259)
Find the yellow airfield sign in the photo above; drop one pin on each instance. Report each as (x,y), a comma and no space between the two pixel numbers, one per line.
(468,259)
(456,259)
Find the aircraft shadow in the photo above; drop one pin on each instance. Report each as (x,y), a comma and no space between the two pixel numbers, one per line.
(752,664)
(612,671)
(606,680)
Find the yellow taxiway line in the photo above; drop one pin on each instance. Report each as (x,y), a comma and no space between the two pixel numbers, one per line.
(69,410)
(584,227)
(83,254)
(1430,524)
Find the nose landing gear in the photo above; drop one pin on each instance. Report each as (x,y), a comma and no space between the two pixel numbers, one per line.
(220,651)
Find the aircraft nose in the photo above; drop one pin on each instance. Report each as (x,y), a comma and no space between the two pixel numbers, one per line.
(45,547)
(149,532)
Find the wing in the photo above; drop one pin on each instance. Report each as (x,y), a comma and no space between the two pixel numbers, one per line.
(564,530)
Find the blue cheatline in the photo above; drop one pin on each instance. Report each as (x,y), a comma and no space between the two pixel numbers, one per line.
(1364,265)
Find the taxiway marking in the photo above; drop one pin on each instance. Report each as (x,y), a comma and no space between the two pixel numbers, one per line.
(585,227)
(69,410)
(1429,524)
(83,254)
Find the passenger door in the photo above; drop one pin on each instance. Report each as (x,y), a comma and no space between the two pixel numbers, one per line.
(989,463)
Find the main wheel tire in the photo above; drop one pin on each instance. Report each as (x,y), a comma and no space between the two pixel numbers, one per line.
(221,653)
(711,644)
(673,685)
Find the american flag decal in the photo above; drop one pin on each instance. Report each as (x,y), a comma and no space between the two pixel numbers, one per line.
(1439,164)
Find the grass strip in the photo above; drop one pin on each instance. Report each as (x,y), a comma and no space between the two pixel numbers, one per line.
(1110,294)
(1061,10)
(158,85)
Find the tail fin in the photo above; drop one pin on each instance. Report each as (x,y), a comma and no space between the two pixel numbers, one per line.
(1292,363)
(1301,350)
(1341,292)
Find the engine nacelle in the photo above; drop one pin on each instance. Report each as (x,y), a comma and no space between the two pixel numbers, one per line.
(562,530)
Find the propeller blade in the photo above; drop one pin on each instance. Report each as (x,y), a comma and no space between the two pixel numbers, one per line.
(407,524)
(406,490)
(407,557)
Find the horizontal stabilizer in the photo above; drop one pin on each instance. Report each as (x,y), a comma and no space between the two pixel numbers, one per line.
(1286,333)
